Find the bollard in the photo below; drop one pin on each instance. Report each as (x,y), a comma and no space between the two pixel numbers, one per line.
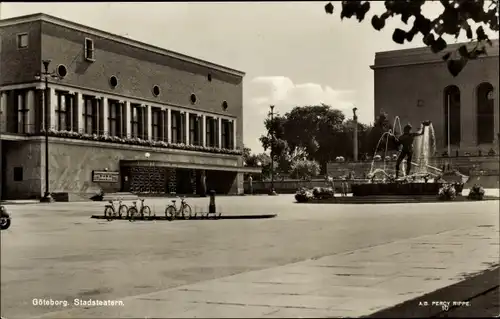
(211,207)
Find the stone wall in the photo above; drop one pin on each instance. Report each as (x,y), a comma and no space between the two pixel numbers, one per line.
(29,156)
(72,163)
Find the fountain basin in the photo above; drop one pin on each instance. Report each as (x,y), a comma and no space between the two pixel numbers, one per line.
(395,188)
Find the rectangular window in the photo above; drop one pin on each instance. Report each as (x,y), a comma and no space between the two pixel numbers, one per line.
(180,127)
(89,50)
(18,174)
(174,121)
(90,115)
(65,111)
(22,40)
(193,129)
(137,121)
(157,124)
(225,142)
(114,121)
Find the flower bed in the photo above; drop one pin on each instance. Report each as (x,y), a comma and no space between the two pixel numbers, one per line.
(303,195)
(447,192)
(138,141)
(476,192)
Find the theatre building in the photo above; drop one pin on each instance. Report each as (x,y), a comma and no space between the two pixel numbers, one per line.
(122,115)
(416,85)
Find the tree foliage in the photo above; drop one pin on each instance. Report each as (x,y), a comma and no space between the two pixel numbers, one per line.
(305,169)
(456,18)
(316,132)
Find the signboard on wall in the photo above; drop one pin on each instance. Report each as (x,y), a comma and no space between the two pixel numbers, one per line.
(105,177)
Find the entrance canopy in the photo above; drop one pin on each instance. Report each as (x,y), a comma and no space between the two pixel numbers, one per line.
(238,169)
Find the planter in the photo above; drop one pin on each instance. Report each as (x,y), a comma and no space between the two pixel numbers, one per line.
(395,189)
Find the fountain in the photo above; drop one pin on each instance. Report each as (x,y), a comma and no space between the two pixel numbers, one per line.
(424,180)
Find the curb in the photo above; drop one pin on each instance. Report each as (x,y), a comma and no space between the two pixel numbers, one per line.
(151,218)
(465,291)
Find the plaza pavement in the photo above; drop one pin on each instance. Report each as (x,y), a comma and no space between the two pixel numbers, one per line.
(310,261)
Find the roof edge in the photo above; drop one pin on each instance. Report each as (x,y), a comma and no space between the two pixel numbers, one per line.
(131,42)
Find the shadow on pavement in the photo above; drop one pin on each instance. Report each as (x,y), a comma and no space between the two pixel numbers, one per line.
(478,296)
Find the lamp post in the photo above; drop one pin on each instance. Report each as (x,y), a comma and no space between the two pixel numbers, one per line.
(448,126)
(45,75)
(355,139)
(271,191)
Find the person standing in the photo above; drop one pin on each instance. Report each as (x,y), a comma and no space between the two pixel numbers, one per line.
(203,184)
(250,184)
(406,141)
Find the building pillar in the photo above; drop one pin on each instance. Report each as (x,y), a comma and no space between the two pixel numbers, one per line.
(20,106)
(234,135)
(3,111)
(79,112)
(149,123)
(468,118)
(204,130)
(219,132)
(105,116)
(169,126)
(128,124)
(52,108)
(99,124)
(186,129)
(30,103)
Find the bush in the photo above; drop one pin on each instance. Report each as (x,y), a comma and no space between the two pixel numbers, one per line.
(447,192)
(305,169)
(476,192)
(303,195)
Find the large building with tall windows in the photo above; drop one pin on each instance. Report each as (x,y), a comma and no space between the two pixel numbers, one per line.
(415,85)
(122,115)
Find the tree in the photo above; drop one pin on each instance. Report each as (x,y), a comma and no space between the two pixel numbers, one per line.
(456,17)
(305,169)
(275,142)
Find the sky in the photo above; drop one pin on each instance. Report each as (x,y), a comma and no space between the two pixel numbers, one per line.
(293,53)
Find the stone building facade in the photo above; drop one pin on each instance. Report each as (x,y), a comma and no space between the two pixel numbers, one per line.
(415,85)
(122,115)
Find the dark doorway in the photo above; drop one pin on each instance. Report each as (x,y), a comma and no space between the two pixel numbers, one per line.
(485,120)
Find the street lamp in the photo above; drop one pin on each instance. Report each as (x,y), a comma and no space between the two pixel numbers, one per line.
(355,139)
(448,126)
(271,191)
(45,75)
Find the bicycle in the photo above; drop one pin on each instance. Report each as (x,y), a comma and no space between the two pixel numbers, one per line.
(135,211)
(110,212)
(171,211)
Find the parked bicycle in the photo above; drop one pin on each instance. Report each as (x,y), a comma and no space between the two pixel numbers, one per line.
(142,211)
(110,212)
(184,211)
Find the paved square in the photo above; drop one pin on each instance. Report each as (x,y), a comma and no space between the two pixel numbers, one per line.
(310,261)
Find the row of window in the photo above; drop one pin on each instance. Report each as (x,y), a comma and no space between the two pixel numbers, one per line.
(485,114)
(66,118)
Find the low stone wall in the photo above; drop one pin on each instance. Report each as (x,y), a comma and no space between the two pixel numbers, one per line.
(482,170)
(468,165)
(291,186)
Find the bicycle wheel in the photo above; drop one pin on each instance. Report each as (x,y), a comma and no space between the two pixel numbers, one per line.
(170,212)
(146,211)
(109,213)
(132,214)
(186,211)
(123,211)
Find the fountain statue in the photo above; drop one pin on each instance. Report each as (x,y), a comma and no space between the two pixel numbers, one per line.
(414,150)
